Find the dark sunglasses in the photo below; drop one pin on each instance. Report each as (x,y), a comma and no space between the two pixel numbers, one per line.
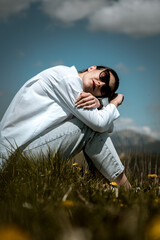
(104,76)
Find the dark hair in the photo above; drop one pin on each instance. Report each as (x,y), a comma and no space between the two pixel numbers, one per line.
(111,70)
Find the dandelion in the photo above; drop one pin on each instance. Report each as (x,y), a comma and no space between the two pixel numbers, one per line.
(76,167)
(75,164)
(114,184)
(11,232)
(105,185)
(86,172)
(152,176)
(121,205)
(68,203)
(80,169)
(153,230)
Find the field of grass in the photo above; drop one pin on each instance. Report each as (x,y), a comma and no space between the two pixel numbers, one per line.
(47,199)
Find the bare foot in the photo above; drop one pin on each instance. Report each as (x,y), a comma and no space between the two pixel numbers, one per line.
(122,181)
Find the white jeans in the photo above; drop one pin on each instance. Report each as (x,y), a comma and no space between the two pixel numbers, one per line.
(73,136)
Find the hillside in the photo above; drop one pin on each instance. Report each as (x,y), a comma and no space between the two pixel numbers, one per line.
(128,140)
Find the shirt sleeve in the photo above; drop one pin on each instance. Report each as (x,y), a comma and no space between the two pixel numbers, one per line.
(111,127)
(105,103)
(68,89)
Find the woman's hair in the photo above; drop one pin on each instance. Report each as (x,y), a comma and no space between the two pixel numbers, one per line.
(111,70)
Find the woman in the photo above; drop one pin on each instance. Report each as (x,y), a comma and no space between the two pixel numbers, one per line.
(59,109)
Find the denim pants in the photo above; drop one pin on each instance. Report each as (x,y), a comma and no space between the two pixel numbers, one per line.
(73,136)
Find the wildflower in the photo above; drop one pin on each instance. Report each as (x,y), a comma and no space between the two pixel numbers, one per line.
(152,176)
(138,189)
(114,184)
(27,205)
(105,185)
(75,164)
(121,205)
(68,203)
(157,200)
(11,232)
(153,230)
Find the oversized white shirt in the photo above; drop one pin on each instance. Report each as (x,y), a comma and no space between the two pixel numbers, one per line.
(45,101)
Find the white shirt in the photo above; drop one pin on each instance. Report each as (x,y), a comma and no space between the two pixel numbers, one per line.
(47,100)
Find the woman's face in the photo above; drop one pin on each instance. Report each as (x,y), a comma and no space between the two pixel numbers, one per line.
(92,83)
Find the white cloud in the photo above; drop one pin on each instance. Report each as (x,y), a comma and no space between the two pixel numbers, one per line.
(13,7)
(68,11)
(136,18)
(123,123)
(121,67)
(141,68)
(58,62)
(129,123)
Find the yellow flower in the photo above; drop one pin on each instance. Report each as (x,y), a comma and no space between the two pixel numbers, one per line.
(106,184)
(114,184)
(68,203)
(75,164)
(153,229)
(121,205)
(152,176)
(11,232)
(157,200)
(79,168)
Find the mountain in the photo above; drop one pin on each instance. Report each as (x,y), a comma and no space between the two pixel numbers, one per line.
(129,140)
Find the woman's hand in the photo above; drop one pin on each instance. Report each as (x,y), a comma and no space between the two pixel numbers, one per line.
(116,99)
(87,101)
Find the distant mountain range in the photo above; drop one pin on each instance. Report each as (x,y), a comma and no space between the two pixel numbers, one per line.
(129,141)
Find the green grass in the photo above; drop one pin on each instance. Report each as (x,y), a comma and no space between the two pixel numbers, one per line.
(50,199)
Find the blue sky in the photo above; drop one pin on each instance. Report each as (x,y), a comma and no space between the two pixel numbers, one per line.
(122,34)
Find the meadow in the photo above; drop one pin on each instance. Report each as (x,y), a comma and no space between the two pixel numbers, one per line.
(49,198)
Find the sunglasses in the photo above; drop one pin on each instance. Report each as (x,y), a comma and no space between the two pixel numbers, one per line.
(104,76)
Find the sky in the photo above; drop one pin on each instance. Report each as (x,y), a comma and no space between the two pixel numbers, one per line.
(121,34)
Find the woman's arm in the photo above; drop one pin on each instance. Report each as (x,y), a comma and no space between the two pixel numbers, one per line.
(87,101)
(66,90)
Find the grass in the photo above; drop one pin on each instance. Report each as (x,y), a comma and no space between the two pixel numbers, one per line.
(48,198)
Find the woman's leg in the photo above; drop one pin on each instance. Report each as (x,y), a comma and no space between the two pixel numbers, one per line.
(100,152)
(68,139)
(73,136)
